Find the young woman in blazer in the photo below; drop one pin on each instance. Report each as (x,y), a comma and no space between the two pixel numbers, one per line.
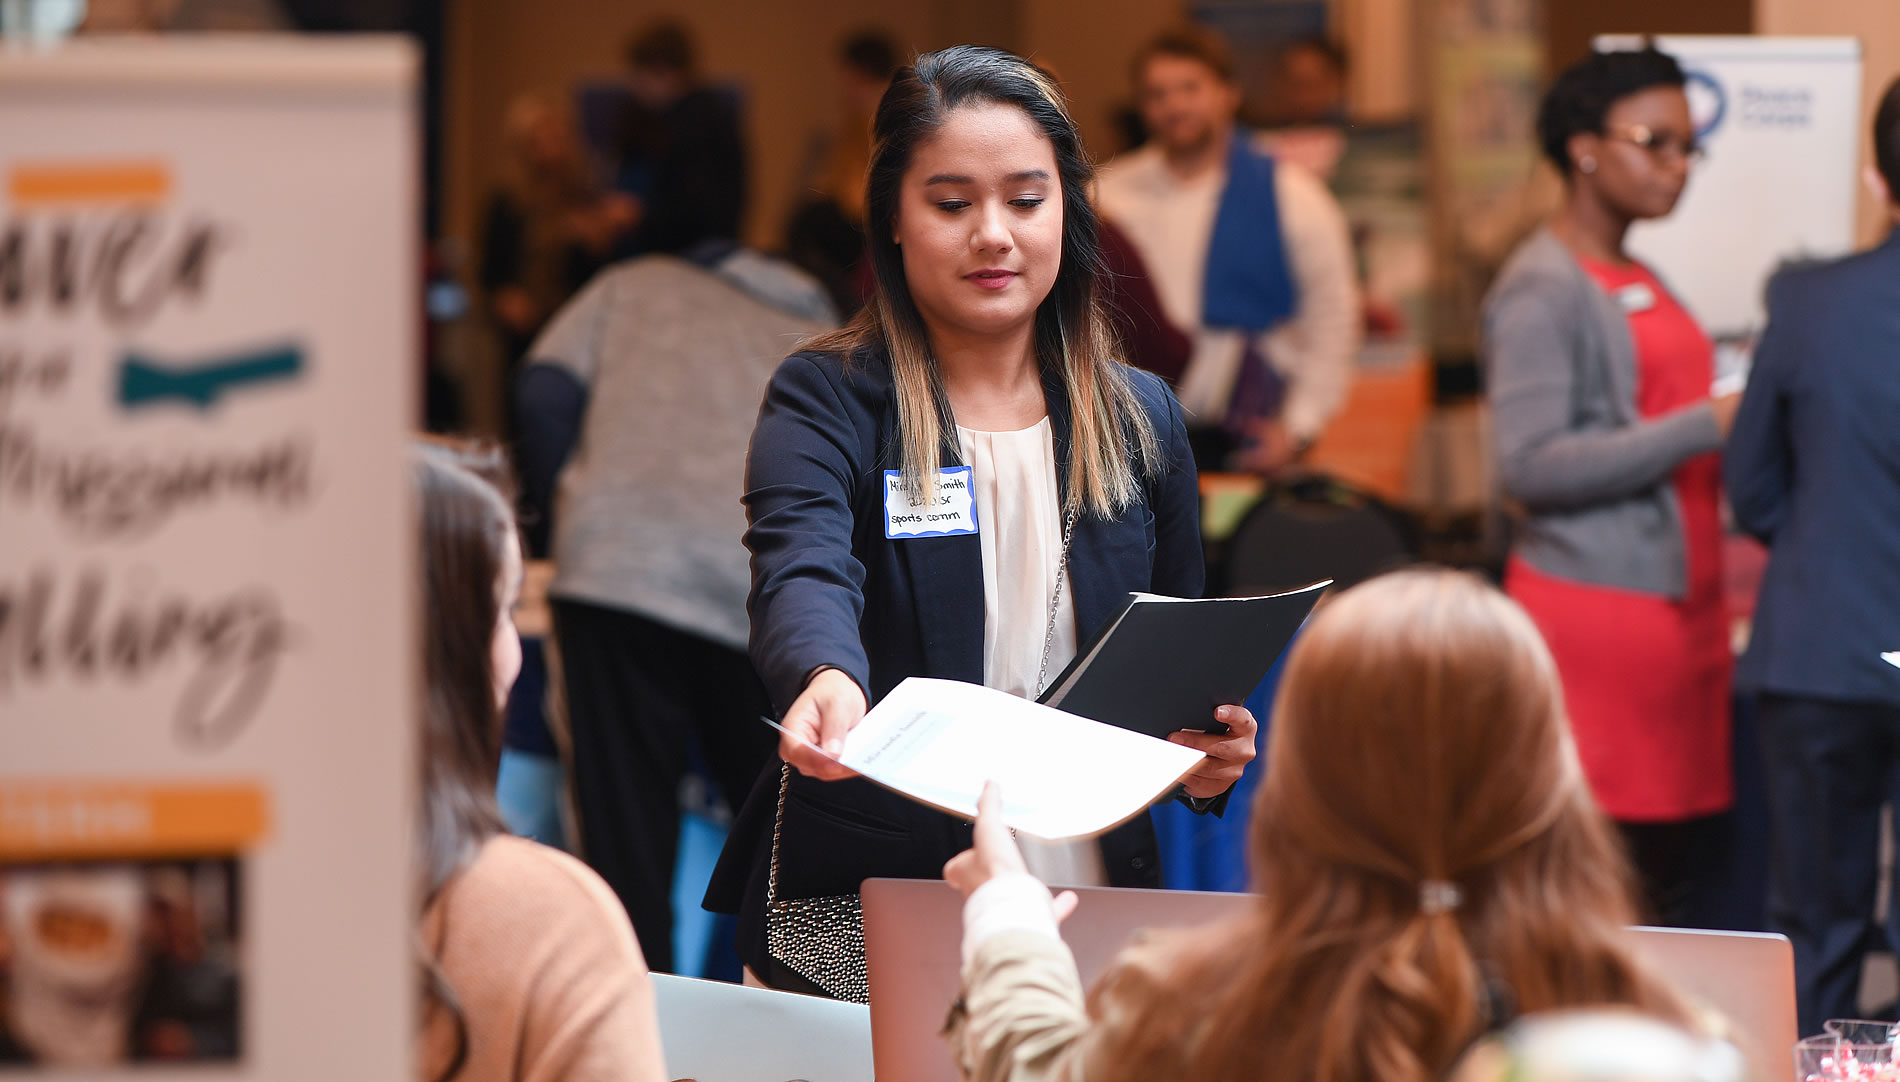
(983,373)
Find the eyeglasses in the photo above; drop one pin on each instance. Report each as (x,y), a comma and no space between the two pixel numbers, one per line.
(1659,144)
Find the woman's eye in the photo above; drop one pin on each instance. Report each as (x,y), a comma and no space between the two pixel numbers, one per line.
(1027,202)
(952,205)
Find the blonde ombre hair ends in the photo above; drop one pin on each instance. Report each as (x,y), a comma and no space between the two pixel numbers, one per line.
(1112,440)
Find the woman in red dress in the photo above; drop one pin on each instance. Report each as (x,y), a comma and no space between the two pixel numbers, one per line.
(1607,443)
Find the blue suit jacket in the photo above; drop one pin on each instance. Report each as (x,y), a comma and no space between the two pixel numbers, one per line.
(829,589)
(1813,470)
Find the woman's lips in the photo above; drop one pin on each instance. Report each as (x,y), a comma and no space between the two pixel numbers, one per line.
(992,279)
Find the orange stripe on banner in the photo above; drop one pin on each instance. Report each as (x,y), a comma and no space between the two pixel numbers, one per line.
(97,182)
(93,820)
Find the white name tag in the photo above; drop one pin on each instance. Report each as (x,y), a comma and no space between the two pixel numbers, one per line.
(951,514)
(1636,297)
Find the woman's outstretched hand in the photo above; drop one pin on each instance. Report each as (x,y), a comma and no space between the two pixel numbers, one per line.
(815,727)
(994,854)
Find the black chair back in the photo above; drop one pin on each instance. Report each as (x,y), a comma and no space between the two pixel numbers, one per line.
(1311,529)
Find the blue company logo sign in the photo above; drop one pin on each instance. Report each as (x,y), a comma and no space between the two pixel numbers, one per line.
(1708,102)
(1785,107)
(144,381)
(1756,106)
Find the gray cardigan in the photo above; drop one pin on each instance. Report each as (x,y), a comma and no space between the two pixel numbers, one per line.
(1587,474)
(673,358)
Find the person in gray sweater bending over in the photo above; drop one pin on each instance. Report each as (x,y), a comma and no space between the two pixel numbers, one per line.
(1605,446)
(635,410)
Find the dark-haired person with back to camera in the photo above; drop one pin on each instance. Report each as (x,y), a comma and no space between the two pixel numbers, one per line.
(1605,440)
(1813,470)
(983,362)
(825,230)
(682,149)
(530,969)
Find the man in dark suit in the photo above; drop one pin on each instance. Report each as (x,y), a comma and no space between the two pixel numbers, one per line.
(1813,470)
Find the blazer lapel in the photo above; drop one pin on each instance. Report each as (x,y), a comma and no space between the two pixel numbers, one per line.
(946,582)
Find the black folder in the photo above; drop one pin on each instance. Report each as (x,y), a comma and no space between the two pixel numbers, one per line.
(1164,663)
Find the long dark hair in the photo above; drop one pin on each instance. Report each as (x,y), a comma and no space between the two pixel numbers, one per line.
(1112,437)
(465,527)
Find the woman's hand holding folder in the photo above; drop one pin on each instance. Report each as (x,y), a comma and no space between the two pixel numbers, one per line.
(1227,753)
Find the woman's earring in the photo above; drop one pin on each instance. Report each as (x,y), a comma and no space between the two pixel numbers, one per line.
(1586,164)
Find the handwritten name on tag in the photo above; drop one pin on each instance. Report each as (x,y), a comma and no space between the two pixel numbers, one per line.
(910,513)
(1636,297)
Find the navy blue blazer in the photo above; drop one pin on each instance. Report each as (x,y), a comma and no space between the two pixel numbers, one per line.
(829,589)
(1813,470)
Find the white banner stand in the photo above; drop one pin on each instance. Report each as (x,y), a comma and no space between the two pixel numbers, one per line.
(208,359)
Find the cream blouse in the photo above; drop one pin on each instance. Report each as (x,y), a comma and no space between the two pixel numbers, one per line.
(1019,520)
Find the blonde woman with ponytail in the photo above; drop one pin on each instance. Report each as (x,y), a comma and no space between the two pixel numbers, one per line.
(1427,857)
(964,483)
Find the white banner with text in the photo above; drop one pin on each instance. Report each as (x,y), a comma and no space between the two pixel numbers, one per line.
(208,339)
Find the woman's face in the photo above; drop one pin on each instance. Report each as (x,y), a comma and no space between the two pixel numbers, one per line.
(979,222)
(1643,154)
(505,647)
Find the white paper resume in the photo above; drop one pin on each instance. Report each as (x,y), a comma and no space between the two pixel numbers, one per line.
(1062,776)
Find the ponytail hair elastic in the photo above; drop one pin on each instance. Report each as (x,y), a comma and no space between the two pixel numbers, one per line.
(1437,896)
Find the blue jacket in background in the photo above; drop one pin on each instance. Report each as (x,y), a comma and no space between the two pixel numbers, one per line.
(1813,470)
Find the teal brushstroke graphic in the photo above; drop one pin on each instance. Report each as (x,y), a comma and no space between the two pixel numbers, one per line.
(144,381)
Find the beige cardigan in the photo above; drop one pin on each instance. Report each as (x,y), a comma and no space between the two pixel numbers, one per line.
(1024,1017)
(551,981)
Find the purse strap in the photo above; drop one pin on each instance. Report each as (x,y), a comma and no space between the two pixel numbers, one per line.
(1048,640)
(1055,602)
(778,825)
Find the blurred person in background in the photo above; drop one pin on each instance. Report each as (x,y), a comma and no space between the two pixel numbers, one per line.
(1252,257)
(636,407)
(548,228)
(1149,339)
(825,233)
(1605,441)
(530,968)
(1307,85)
(1304,107)
(1813,470)
(1426,860)
(681,154)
